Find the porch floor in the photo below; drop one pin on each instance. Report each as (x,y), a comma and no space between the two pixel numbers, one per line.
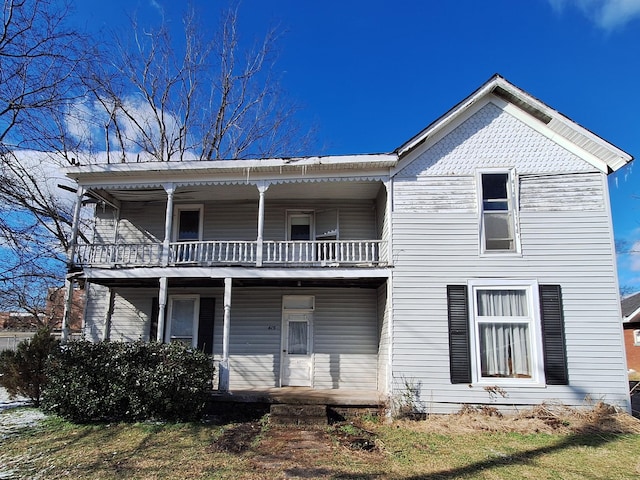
(304,396)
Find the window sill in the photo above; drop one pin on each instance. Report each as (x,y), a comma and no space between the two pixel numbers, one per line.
(499,253)
(508,383)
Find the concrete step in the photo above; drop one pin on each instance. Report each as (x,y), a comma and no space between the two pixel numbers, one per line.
(283,414)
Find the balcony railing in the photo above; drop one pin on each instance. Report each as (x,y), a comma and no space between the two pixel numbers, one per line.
(211,253)
(118,254)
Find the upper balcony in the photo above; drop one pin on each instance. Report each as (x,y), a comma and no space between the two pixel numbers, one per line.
(286,218)
(228,253)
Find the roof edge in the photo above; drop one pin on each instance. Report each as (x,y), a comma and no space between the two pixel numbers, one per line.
(500,87)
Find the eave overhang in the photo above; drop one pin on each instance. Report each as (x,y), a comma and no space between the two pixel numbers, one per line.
(232,171)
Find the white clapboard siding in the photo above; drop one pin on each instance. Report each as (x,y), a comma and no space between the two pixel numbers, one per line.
(435,194)
(346,329)
(141,222)
(105,221)
(131,315)
(97,303)
(356,218)
(566,239)
(144,222)
(577,192)
(345,337)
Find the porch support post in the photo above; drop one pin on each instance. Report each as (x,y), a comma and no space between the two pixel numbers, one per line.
(71,253)
(68,307)
(75,225)
(162,304)
(388,185)
(168,217)
(223,384)
(262,188)
(106,331)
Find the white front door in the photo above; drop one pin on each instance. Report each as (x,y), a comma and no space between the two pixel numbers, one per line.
(296,349)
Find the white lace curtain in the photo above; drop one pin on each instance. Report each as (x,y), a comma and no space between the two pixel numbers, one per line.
(505,350)
(298,338)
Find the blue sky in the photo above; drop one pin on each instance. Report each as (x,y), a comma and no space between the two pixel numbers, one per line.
(371,74)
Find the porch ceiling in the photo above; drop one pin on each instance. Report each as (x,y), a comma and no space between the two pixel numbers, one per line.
(283,191)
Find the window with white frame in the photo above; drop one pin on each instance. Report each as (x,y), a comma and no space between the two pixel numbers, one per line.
(299,226)
(497,211)
(636,338)
(187,223)
(183,319)
(506,331)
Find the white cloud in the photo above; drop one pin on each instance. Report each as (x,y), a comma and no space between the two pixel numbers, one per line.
(634,257)
(606,14)
(86,122)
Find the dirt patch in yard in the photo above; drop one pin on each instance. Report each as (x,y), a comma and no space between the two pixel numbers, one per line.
(545,418)
(237,439)
(295,451)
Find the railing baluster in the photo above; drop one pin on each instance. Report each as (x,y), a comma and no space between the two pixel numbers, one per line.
(211,252)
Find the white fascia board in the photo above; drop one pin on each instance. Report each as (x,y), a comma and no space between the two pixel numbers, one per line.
(107,183)
(367,167)
(236,272)
(632,316)
(212,166)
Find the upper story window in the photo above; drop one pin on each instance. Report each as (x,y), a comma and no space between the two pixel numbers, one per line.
(188,223)
(498,213)
(300,226)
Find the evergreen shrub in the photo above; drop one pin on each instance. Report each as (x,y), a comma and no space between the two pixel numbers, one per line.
(117,381)
(23,371)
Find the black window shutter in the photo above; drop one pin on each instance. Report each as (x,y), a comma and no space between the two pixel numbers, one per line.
(555,354)
(459,349)
(153,325)
(205,325)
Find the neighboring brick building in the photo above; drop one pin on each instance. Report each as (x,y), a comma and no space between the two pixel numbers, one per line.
(52,315)
(54,309)
(631,325)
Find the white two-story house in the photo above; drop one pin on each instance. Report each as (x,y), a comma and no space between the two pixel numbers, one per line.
(474,264)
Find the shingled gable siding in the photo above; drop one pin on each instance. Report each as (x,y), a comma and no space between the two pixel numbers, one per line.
(565,241)
(553,339)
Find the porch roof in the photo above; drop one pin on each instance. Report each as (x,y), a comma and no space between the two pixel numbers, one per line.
(195,172)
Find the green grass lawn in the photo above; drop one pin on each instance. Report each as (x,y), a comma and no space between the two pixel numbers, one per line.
(403,450)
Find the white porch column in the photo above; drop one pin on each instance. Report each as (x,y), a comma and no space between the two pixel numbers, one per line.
(262,188)
(75,225)
(68,305)
(162,306)
(223,384)
(71,252)
(388,185)
(106,330)
(168,220)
